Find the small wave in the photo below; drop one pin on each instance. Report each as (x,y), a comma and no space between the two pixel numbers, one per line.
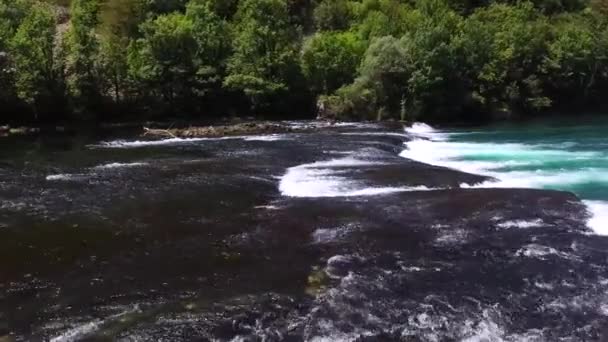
(317,179)
(78,332)
(329,235)
(267,207)
(521,224)
(84,330)
(544,286)
(144,143)
(64,177)
(270,137)
(81,176)
(451,237)
(67,177)
(324,179)
(177,141)
(423,132)
(119,165)
(420,128)
(541,252)
(389,134)
(341,162)
(485,331)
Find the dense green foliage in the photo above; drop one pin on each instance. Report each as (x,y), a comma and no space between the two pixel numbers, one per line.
(357,59)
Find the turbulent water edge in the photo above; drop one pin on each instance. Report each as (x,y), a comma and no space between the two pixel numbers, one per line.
(324,236)
(513,165)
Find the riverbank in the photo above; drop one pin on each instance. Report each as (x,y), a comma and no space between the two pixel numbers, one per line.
(327,234)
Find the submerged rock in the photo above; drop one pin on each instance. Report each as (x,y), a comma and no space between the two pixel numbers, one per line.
(318,280)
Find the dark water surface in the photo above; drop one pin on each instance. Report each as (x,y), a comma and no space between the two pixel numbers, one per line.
(326,236)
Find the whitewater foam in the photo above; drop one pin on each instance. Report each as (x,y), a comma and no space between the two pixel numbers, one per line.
(329,235)
(144,143)
(64,177)
(83,176)
(512,165)
(598,220)
(422,130)
(78,332)
(452,237)
(541,252)
(494,157)
(325,179)
(177,141)
(81,331)
(485,331)
(389,134)
(521,224)
(270,137)
(118,165)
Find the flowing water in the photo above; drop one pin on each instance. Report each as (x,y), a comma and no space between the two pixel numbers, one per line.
(336,234)
(559,154)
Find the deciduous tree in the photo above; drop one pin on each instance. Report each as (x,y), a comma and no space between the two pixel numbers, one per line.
(264,58)
(330,60)
(32,54)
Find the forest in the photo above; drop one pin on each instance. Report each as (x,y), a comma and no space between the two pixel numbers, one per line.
(432,60)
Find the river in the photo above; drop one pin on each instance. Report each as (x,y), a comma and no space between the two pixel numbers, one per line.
(561,154)
(345,232)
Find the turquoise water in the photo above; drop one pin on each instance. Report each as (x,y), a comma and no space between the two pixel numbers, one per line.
(570,155)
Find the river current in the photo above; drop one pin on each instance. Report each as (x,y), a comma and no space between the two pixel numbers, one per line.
(338,232)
